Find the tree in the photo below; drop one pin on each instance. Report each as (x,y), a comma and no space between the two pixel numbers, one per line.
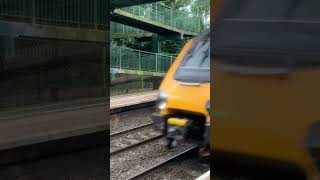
(200,8)
(177,4)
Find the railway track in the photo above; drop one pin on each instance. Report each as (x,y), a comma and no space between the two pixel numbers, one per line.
(113,135)
(139,148)
(131,138)
(140,151)
(186,153)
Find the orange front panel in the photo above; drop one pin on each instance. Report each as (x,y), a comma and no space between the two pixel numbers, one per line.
(266,116)
(184,97)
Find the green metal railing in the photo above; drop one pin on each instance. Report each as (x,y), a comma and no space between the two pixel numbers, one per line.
(131,59)
(117,28)
(166,15)
(75,13)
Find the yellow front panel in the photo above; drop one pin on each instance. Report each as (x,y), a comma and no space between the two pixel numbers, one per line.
(184,97)
(266,116)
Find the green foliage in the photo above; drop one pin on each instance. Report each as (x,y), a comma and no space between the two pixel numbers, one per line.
(172,46)
(177,4)
(132,43)
(200,8)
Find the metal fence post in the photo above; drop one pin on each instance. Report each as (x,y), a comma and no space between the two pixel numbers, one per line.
(78,13)
(156,62)
(33,12)
(142,83)
(140,62)
(105,69)
(171,20)
(120,58)
(156,11)
(95,10)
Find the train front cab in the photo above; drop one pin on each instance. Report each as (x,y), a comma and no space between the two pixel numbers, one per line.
(184,97)
(266,88)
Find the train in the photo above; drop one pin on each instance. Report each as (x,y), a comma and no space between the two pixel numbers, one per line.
(266,73)
(184,97)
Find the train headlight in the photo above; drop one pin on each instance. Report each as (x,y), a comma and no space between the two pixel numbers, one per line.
(208,106)
(162,105)
(163,97)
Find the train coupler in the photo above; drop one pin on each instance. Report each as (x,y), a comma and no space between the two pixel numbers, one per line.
(176,131)
(204,150)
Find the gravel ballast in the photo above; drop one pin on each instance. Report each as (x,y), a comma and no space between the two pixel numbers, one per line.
(130,163)
(130,119)
(130,138)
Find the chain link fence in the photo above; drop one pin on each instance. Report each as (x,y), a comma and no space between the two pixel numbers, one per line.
(132,59)
(74,13)
(116,28)
(167,15)
(41,71)
(122,58)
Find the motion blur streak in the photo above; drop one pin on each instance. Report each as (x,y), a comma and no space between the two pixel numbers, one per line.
(266,69)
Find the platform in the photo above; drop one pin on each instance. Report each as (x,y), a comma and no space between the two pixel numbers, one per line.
(131,101)
(38,131)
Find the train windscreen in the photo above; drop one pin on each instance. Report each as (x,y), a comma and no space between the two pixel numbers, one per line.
(264,33)
(195,66)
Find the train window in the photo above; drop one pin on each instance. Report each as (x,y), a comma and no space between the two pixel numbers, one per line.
(195,67)
(280,10)
(255,9)
(307,10)
(281,34)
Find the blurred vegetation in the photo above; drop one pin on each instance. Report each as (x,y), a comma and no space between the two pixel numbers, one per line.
(172,46)
(200,8)
(132,43)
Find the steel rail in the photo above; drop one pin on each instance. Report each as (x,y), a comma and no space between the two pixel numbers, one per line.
(185,153)
(130,130)
(113,153)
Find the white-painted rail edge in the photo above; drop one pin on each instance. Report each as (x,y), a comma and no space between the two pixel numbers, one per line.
(133,99)
(205,176)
